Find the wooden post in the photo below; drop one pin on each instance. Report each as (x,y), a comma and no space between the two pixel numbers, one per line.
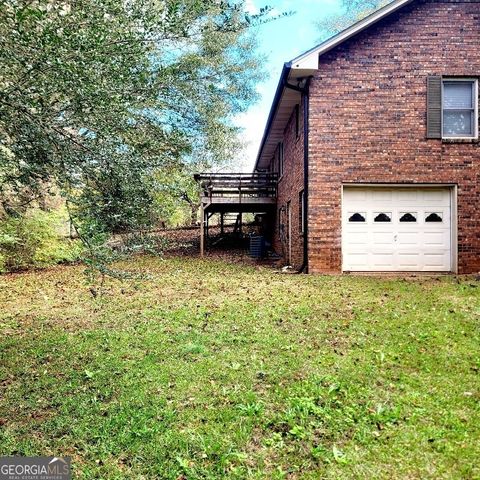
(202,232)
(221,223)
(240,223)
(206,226)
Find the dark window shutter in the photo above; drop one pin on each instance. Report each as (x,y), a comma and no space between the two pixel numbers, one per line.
(434,106)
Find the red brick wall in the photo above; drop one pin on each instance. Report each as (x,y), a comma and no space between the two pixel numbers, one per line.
(289,188)
(368,120)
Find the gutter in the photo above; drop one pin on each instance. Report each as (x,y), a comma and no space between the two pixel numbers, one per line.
(306,146)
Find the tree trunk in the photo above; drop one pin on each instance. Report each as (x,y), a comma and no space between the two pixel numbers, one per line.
(193,213)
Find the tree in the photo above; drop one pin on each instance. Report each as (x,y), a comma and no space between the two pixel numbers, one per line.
(177,190)
(96,96)
(353,11)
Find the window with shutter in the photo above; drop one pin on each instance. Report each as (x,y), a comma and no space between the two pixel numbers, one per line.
(459,108)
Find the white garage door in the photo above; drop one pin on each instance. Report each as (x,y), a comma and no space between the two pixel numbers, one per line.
(396,229)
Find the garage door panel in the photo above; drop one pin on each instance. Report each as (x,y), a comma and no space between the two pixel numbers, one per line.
(408,239)
(435,197)
(382,259)
(407,259)
(423,244)
(381,196)
(382,238)
(358,261)
(359,237)
(406,196)
(359,195)
(437,239)
(436,260)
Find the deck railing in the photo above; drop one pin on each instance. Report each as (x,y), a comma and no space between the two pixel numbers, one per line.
(238,185)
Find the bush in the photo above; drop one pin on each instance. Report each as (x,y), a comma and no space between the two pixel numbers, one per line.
(35,240)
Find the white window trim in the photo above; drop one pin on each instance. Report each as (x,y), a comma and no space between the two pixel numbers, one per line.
(281,160)
(475,106)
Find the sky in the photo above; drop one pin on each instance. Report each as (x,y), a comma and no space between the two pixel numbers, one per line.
(280,41)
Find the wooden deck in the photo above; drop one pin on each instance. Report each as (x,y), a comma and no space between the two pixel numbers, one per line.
(235,193)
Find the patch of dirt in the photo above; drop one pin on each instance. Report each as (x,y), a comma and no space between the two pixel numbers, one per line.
(228,247)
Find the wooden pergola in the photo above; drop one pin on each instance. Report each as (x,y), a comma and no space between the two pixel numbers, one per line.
(234,193)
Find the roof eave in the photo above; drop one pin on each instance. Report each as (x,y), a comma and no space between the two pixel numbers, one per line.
(273,109)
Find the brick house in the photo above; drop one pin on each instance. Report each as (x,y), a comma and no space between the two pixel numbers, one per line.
(374,137)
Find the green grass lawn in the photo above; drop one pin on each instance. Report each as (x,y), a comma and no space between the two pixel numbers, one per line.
(210,370)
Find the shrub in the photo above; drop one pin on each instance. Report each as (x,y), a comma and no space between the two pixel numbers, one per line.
(35,240)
